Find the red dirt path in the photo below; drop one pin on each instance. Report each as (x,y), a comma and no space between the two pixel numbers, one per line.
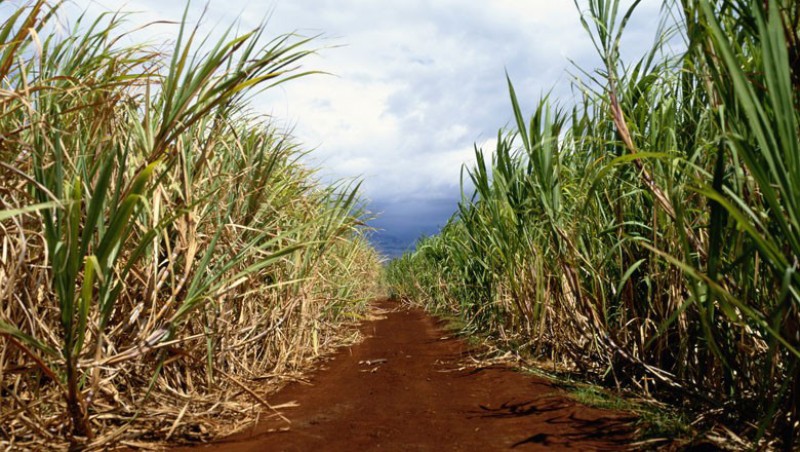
(417,399)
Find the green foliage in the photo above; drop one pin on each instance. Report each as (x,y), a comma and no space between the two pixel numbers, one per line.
(145,211)
(648,234)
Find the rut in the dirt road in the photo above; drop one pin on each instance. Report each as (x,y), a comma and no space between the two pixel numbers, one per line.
(404,388)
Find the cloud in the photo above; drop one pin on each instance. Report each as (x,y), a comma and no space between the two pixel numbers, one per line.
(416,83)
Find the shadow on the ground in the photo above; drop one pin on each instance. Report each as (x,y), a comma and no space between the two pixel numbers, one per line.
(615,428)
(519,409)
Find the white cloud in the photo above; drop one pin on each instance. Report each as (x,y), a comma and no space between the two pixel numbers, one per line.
(417,82)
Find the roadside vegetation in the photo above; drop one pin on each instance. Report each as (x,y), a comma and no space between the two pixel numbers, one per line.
(646,234)
(162,250)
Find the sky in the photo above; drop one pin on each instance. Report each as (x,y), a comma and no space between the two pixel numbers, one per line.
(411,87)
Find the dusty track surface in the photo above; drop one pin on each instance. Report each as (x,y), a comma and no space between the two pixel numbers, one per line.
(405,388)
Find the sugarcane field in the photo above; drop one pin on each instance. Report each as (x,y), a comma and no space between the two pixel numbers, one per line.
(403,226)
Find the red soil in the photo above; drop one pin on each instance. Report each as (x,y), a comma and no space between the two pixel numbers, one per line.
(400,389)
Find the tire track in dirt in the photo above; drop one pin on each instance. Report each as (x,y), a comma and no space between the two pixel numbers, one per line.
(401,389)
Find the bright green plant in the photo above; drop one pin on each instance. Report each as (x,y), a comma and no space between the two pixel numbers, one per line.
(161,237)
(647,235)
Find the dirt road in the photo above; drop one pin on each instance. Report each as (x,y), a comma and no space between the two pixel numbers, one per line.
(401,389)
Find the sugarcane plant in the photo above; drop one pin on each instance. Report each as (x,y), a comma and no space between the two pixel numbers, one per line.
(145,208)
(646,232)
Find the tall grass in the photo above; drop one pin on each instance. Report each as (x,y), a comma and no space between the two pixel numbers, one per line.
(160,245)
(647,234)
